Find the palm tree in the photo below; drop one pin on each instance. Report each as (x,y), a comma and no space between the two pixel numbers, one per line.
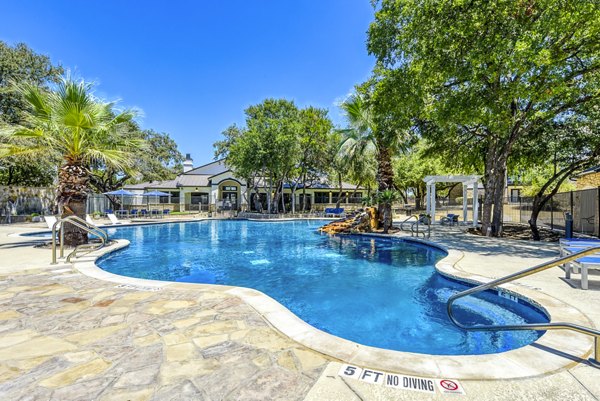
(70,122)
(387,199)
(364,135)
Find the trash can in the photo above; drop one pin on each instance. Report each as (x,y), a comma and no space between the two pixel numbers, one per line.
(568,225)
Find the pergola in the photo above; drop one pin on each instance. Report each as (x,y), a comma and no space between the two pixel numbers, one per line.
(431,180)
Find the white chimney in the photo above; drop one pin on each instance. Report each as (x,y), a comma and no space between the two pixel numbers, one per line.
(188,164)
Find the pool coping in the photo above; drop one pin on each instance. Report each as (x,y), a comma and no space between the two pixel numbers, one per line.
(553,352)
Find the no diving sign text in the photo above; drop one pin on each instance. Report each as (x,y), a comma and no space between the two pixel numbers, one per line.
(403,382)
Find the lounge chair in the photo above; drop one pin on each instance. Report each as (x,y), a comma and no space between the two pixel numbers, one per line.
(584,264)
(113,219)
(166,212)
(50,220)
(88,219)
(133,213)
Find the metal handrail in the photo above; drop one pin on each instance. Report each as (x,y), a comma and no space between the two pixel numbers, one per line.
(84,225)
(416,216)
(532,326)
(90,228)
(416,232)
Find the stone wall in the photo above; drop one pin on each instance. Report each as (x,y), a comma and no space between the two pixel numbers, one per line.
(588,181)
(23,201)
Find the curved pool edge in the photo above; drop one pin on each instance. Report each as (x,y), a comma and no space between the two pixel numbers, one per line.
(554,351)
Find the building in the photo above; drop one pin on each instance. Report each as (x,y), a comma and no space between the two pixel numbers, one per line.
(214,187)
(587,179)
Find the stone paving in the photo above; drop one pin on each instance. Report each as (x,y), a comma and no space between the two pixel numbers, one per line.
(64,336)
(67,336)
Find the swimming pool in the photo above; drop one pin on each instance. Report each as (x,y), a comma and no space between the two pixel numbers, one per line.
(378,292)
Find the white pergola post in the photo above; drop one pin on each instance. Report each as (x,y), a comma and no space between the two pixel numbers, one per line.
(428,198)
(433,203)
(464,188)
(475,203)
(466,180)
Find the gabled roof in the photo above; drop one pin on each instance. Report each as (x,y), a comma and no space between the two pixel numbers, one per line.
(213,168)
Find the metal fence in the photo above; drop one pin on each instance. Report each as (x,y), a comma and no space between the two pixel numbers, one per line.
(583,205)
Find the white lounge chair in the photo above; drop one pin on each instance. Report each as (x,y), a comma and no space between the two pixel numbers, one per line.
(50,220)
(584,264)
(113,219)
(88,219)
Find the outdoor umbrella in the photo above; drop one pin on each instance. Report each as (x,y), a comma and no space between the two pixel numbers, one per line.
(155,193)
(120,192)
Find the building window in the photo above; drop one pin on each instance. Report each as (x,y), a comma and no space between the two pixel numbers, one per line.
(355,197)
(321,197)
(199,198)
(230,188)
(515,195)
(174,198)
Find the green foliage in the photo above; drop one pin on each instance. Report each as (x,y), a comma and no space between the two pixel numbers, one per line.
(536,177)
(71,122)
(279,144)
(387,197)
(20,64)
(482,75)
(158,160)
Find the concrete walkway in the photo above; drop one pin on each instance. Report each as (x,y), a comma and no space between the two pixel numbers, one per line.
(66,336)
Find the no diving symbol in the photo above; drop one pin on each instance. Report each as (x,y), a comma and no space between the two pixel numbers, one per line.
(449,385)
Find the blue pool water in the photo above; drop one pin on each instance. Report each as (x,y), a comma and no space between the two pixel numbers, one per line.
(378,292)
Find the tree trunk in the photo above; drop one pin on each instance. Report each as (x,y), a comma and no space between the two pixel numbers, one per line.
(540,199)
(387,217)
(491,224)
(535,232)
(385,172)
(71,195)
(304,194)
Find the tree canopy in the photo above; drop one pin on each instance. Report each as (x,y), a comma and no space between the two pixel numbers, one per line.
(486,74)
(280,145)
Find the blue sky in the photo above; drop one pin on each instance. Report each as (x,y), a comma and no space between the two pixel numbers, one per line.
(193,66)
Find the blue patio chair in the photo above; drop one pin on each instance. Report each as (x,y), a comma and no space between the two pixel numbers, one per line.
(143,213)
(450,219)
(166,212)
(108,211)
(133,213)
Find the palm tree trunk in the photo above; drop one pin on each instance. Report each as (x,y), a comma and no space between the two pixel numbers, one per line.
(385,176)
(385,172)
(71,196)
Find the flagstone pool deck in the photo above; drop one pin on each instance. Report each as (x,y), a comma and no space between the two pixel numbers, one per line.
(65,335)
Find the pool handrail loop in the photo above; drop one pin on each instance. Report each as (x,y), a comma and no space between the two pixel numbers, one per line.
(594,361)
(84,225)
(416,232)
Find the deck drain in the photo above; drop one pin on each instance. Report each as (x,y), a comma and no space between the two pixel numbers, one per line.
(137,287)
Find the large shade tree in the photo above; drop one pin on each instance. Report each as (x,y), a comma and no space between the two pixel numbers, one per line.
(71,122)
(489,72)
(19,63)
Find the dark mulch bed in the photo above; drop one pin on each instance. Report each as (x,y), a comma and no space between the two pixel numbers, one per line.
(522,232)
